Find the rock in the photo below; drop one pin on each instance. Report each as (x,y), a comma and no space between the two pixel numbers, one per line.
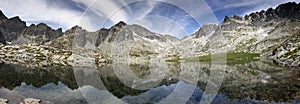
(288,10)
(15,30)
(171,38)
(73,30)
(3,101)
(38,34)
(12,28)
(32,101)
(2,17)
(123,32)
(205,30)
(2,39)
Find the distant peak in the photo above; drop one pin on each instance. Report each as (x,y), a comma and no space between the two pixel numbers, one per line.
(288,6)
(76,27)
(286,10)
(120,24)
(2,16)
(73,29)
(16,18)
(226,19)
(42,25)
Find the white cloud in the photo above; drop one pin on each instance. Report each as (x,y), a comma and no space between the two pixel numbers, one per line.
(39,10)
(110,9)
(256,5)
(162,25)
(221,5)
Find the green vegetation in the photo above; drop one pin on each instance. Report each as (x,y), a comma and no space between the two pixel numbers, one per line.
(231,58)
(140,53)
(175,59)
(292,54)
(205,47)
(247,42)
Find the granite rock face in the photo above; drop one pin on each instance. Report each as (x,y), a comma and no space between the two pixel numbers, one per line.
(2,39)
(122,32)
(12,28)
(2,17)
(206,30)
(284,11)
(15,31)
(38,34)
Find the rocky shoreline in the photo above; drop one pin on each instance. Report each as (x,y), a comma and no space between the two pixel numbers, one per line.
(34,55)
(44,56)
(26,101)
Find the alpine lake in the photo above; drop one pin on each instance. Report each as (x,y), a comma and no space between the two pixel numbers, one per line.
(193,81)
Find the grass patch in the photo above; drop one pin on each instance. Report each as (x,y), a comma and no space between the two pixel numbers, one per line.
(175,59)
(244,44)
(291,53)
(231,58)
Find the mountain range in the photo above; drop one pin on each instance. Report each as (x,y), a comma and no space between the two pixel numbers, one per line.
(271,34)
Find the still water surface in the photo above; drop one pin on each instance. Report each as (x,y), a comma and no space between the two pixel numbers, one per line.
(148,83)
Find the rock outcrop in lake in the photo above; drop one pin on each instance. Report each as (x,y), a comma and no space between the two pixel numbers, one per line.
(272,33)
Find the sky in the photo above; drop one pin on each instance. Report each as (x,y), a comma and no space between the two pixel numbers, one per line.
(173,17)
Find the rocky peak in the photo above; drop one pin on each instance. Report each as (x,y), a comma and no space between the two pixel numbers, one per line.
(206,29)
(40,33)
(171,38)
(16,19)
(230,19)
(143,32)
(226,19)
(12,28)
(288,10)
(42,29)
(237,17)
(43,25)
(2,16)
(73,30)
(120,24)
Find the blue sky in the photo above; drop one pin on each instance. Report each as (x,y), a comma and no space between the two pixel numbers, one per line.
(174,17)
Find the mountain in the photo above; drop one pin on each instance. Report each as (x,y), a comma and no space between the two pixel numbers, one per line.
(38,34)
(272,34)
(15,31)
(11,28)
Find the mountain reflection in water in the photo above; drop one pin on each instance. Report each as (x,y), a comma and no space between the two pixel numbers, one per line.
(133,83)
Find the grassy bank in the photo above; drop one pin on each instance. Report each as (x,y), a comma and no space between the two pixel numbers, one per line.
(230,58)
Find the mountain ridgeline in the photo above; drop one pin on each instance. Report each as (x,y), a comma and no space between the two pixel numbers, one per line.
(272,33)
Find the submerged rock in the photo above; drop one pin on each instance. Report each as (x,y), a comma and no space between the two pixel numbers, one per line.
(3,101)
(32,101)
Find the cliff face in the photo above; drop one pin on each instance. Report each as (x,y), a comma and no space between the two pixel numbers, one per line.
(15,31)
(2,17)
(12,28)
(2,39)
(205,30)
